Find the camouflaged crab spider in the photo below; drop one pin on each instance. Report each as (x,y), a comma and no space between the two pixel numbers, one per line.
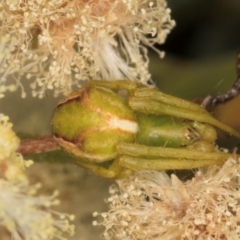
(114,128)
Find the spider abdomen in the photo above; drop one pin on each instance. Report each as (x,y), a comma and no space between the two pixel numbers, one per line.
(164,130)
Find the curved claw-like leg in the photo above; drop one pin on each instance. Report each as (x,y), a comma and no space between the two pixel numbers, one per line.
(114,85)
(114,171)
(152,101)
(156,95)
(137,157)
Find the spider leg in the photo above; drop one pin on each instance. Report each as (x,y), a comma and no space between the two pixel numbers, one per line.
(147,101)
(156,95)
(162,164)
(138,150)
(114,85)
(137,157)
(209,102)
(112,172)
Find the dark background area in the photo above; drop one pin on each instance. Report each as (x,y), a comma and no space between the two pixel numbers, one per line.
(204,28)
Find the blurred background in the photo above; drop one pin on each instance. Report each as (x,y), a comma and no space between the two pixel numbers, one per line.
(204,28)
(205,41)
(200,61)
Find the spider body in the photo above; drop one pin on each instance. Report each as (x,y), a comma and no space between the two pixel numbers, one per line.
(116,128)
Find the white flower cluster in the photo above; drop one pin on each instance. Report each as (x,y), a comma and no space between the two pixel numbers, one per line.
(6,46)
(150,205)
(60,43)
(22,213)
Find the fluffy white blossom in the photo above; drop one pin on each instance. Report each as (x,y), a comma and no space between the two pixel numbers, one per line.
(24,214)
(60,43)
(6,69)
(150,205)
(8,139)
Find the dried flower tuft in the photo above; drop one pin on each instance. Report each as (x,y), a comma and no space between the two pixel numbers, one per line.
(60,43)
(152,205)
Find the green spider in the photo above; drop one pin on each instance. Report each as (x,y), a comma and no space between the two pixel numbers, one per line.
(115,128)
